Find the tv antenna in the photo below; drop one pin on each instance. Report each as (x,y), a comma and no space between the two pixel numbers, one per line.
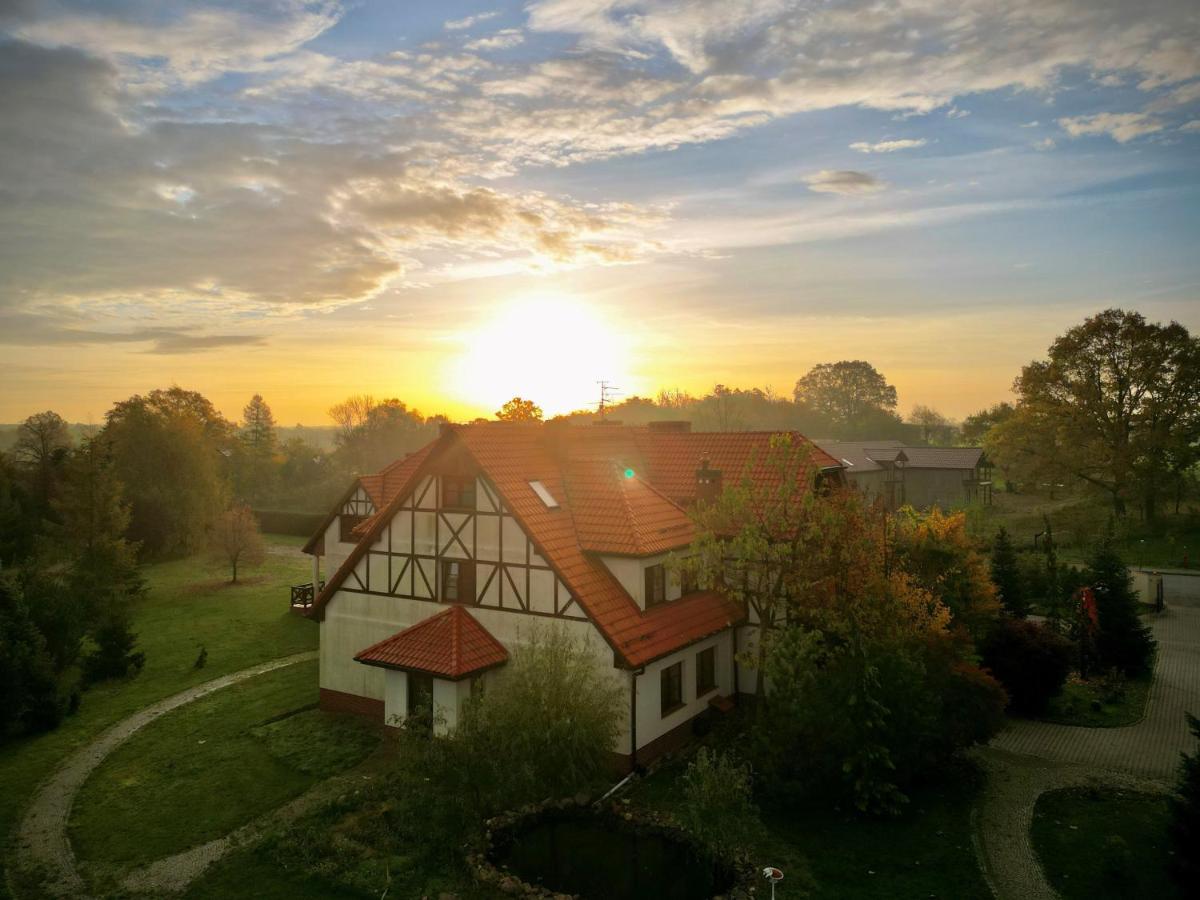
(608,390)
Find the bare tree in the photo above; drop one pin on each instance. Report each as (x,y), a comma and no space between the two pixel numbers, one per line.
(235,539)
(42,444)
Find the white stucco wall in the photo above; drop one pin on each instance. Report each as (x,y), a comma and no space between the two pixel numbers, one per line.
(651,723)
(631,572)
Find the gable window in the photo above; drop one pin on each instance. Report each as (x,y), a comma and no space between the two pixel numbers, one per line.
(346,525)
(458,581)
(458,492)
(706,671)
(672,688)
(656,585)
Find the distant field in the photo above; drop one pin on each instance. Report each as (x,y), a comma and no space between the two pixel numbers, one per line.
(189,606)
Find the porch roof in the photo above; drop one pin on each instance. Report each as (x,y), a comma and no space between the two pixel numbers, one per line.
(450,645)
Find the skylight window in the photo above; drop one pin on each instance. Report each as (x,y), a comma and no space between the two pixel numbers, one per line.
(544,495)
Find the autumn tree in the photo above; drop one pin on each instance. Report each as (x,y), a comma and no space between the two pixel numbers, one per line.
(169,451)
(1116,405)
(519,410)
(939,553)
(760,540)
(235,539)
(850,394)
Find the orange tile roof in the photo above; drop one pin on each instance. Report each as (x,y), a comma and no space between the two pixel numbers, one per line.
(449,645)
(599,511)
(617,512)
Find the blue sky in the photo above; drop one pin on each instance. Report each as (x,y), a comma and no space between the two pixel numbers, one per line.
(311,199)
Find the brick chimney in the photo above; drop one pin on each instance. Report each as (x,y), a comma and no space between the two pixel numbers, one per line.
(708,482)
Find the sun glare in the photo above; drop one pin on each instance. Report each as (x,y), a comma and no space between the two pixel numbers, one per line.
(551,350)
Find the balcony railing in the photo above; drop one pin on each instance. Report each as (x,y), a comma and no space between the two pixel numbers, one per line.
(303,595)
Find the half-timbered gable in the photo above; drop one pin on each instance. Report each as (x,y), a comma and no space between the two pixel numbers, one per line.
(494,529)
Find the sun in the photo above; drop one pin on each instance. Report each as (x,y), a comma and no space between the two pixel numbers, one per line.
(549,349)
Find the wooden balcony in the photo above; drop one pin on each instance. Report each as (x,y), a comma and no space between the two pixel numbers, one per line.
(303,596)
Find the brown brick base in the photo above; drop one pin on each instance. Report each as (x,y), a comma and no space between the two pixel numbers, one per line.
(337,701)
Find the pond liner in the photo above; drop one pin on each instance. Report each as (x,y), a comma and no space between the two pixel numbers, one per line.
(731,879)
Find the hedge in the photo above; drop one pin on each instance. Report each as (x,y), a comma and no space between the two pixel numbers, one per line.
(281,521)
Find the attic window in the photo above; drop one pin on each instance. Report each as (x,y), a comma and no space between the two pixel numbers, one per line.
(544,495)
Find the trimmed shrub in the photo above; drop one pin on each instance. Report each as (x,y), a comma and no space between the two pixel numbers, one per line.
(1030,660)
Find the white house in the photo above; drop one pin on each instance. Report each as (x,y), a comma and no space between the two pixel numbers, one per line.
(444,562)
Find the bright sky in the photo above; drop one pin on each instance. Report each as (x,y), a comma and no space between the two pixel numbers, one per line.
(453,203)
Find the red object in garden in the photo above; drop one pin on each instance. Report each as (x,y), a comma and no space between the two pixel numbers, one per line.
(1087,605)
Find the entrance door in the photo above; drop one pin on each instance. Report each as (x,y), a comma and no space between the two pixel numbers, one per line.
(420,701)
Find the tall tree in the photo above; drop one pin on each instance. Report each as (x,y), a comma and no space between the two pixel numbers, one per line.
(1116,404)
(933,424)
(168,450)
(851,394)
(254,469)
(372,434)
(977,425)
(519,410)
(42,444)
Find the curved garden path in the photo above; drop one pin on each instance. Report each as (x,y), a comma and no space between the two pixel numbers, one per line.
(42,844)
(1030,758)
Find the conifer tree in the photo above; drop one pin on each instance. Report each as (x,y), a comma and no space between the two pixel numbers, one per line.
(1007,577)
(1123,641)
(1184,828)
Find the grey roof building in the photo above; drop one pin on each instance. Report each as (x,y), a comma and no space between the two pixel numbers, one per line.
(946,477)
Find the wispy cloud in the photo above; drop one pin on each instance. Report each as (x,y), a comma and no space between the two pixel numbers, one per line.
(888,146)
(1121,127)
(468,21)
(501,40)
(844,181)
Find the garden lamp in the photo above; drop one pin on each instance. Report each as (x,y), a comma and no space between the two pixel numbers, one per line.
(773,875)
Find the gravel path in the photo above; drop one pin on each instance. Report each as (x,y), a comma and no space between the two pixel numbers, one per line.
(42,843)
(1030,758)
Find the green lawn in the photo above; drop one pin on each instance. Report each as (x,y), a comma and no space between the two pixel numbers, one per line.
(1073,706)
(188,606)
(1078,522)
(1104,844)
(201,771)
(924,853)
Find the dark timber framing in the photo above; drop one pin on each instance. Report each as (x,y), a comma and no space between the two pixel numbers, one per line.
(409,565)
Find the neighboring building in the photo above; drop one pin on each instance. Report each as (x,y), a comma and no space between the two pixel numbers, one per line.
(444,561)
(922,477)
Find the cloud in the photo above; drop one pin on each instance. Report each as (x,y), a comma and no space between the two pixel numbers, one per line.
(468,21)
(1121,127)
(68,328)
(226,215)
(177,41)
(843,181)
(955,113)
(888,146)
(501,40)
(1191,127)
(1047,143)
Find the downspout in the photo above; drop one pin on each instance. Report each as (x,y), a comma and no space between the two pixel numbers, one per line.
(633,744)
(736,690)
